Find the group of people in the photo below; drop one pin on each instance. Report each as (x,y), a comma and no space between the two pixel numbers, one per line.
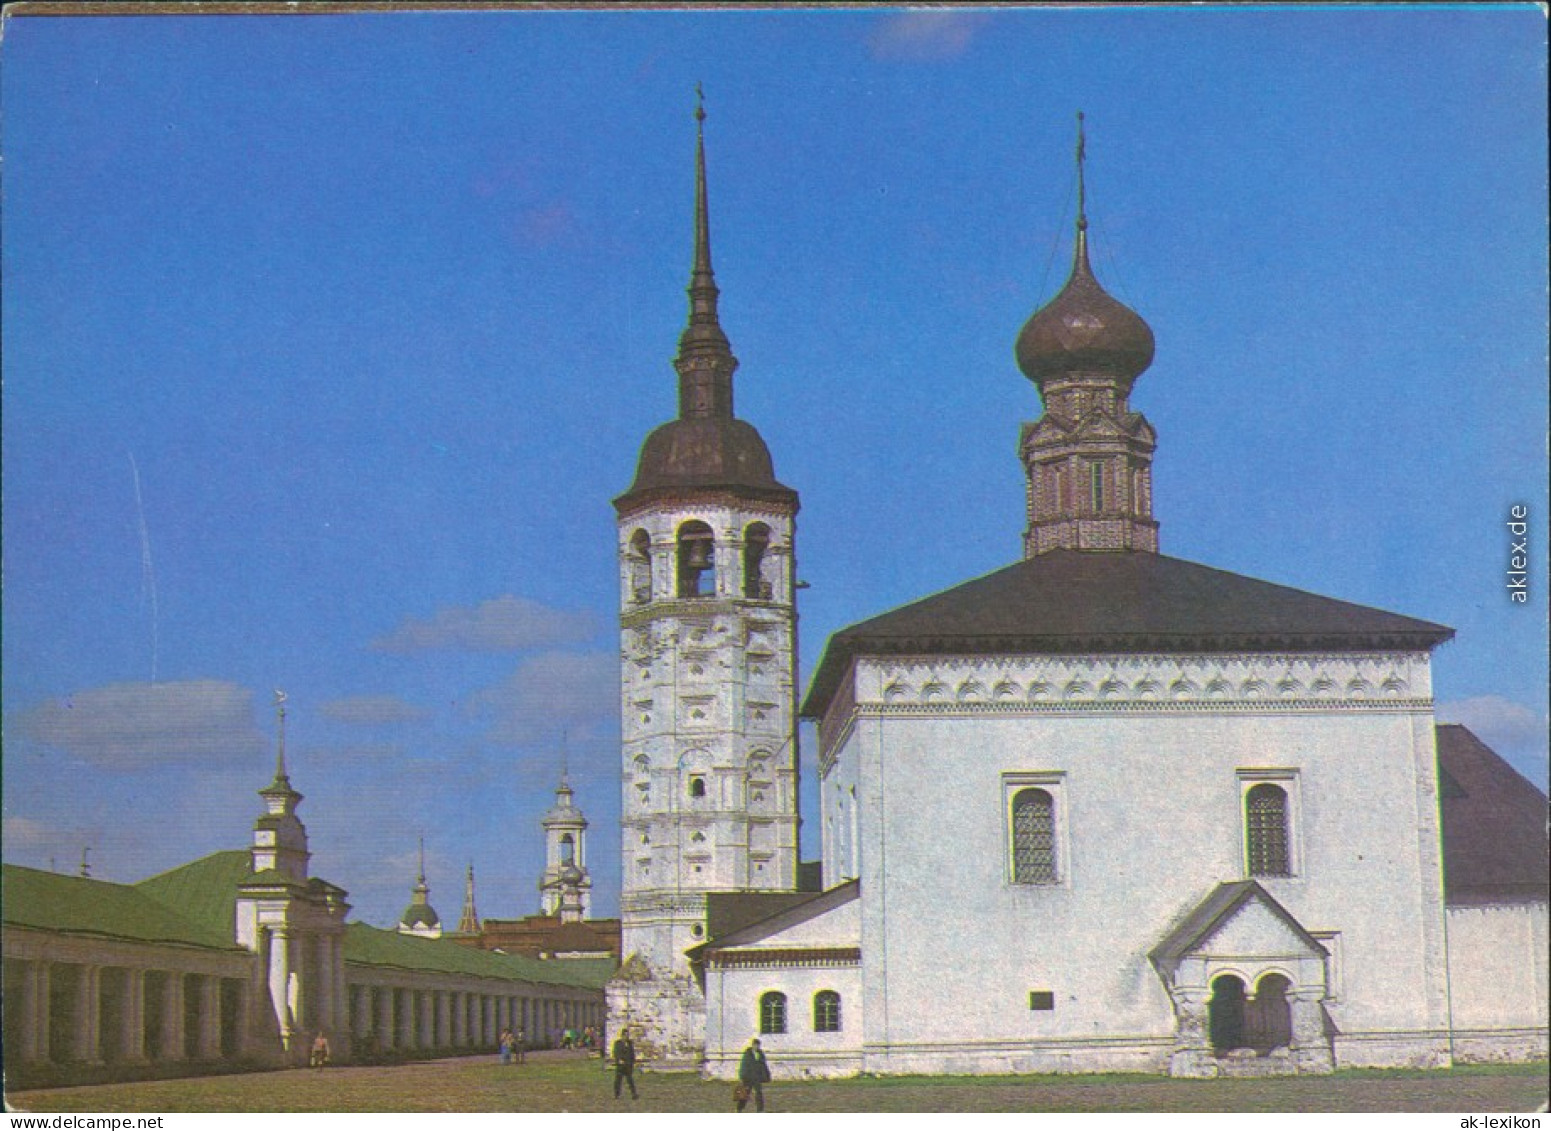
(514,1046)
(753,1072)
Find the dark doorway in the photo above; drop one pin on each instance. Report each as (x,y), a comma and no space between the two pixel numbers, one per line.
(1226,1013)
(1268,1017)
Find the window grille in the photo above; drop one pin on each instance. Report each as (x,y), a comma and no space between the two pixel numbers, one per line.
(826,1012)
(1265,814)
(772,1013)
(1034,838)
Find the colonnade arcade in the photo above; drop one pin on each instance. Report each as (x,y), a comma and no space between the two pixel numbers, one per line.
(119,1004)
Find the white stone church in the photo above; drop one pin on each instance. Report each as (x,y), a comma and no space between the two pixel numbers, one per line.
(1102,809)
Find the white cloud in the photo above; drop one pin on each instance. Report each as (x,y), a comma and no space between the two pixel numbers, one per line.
(548,694)
(134,725)
(922,35)
(506,624)
(372,710)
(1501,723)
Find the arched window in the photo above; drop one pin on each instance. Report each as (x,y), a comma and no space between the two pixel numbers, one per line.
(696,560)
(772,1012)
(1265,825)
(826,1012)
(756,541)
(1034,837)
(641,567)
(567,849)
(697,786)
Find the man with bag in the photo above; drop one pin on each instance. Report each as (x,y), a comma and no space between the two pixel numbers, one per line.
(753,1074)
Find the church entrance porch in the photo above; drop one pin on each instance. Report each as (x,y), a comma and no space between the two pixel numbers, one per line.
(1247,982)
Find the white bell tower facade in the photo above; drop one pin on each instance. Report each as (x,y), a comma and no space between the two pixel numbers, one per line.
(708,627)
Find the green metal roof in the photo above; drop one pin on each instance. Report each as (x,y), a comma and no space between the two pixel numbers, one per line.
(371,946)
(48,901)
(204,890)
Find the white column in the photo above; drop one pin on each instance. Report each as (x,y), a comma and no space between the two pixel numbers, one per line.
(382,998)
(280,982)
(172,1016)
(209,1017)
(132,1017)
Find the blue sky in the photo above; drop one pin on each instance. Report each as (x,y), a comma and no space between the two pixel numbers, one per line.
(328,341)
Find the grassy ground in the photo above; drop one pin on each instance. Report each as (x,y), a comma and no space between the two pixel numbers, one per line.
(568,1082)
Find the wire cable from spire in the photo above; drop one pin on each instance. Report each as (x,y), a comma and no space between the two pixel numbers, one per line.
(1082,198)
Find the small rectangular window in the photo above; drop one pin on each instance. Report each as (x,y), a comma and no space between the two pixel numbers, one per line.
(1042,999)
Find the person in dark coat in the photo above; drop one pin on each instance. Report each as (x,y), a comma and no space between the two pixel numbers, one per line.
(753,1074)
(624,1064)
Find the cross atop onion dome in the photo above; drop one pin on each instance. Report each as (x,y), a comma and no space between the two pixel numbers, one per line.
(1083,332)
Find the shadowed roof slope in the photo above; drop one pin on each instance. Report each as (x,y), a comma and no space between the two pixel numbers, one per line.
(1494,824)
(1069,601)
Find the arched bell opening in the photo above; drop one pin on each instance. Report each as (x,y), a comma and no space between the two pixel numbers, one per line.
(640,557)
(1225,1013)
(696,560)
(756,543)
(568,849)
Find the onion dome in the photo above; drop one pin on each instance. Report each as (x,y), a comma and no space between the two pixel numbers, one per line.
(420,915)
(570,875)
(1083,331)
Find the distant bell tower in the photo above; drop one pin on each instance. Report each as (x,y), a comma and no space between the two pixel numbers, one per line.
(565,884)
(1089,458)
(708,625)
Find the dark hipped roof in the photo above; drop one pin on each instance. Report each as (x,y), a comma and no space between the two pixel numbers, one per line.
(1072,601)
(1494,824)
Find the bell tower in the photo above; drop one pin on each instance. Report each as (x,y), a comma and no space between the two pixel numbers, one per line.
(1089,458)
(708,690)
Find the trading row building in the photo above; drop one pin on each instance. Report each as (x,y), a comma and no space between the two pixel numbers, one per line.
(242,958)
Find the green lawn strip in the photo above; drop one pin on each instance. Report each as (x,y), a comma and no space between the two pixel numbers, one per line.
(483,1084)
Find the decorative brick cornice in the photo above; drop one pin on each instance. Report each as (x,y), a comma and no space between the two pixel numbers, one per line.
(787,957)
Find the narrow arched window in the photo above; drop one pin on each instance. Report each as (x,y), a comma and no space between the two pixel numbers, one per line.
(697,786)
(696,560)
(826,1012)
(772,1012)
(756,541)
(1265,826)
(567,849)
(1034,837)
(641,567)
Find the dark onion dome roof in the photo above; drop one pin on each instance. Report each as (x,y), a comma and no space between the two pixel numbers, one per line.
(1069,602)
(1494,824)
(1083,331)
(705,452)
(420,915)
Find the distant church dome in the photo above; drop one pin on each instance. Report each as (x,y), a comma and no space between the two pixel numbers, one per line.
(420,915)
(1084,331)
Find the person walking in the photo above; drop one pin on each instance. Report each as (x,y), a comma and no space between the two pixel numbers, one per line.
(319,1057)
(520,1046)
(505,1041)
(624,1064)
(753,1075)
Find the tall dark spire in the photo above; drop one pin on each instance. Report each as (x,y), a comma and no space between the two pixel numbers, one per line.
(705,362)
